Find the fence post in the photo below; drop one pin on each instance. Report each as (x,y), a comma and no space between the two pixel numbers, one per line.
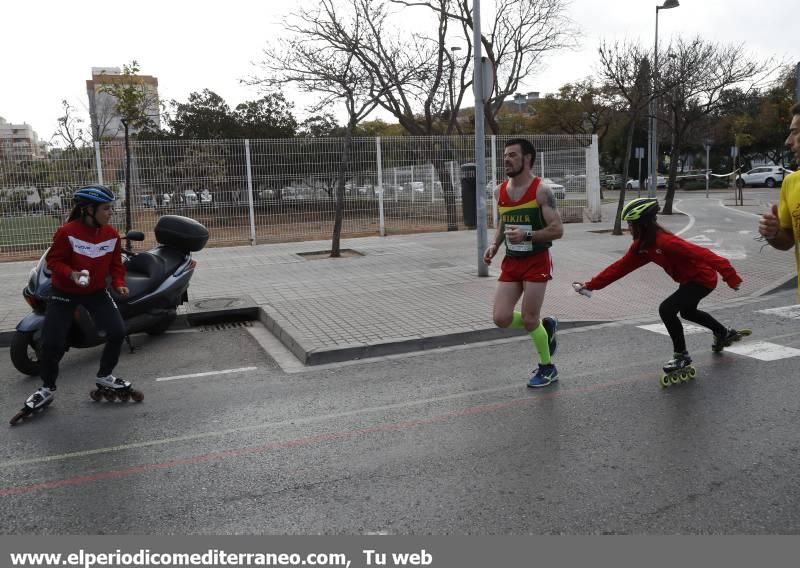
(98,163)
(494,180)
(250,192)
(593,180)
(381,225)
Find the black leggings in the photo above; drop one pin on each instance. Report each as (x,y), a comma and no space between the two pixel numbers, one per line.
(58,319)
(684,301)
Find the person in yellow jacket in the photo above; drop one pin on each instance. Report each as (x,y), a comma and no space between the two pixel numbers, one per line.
(781,226)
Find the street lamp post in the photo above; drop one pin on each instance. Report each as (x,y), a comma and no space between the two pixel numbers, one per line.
(480,142)
(652,135)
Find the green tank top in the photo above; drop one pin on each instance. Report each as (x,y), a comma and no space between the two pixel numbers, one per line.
(525,214)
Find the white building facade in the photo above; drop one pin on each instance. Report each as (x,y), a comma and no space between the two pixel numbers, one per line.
(18,142)
(106,122)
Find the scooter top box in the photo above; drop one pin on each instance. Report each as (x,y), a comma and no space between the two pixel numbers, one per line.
(182,233)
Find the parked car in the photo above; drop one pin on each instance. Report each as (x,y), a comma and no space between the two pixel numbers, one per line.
(559,192)
(575,183)
(190,198)
(661,181)
(688,177)
(205,197)
(612,181)
(769,176)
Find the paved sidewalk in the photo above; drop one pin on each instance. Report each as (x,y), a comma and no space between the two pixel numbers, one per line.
(414,292)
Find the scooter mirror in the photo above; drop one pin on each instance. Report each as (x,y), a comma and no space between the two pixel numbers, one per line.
(135,235)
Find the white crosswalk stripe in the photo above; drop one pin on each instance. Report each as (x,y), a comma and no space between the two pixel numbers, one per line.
(792,312)
(761,350)
(688,329)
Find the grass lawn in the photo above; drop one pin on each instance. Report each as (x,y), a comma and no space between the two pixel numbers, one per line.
(31,229)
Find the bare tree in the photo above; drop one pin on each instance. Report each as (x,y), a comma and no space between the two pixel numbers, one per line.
(319,56)
(625,68)
(133,104)
(521,33)
(70,129)
(698,74)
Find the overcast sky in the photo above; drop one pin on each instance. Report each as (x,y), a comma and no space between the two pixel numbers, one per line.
(49,47)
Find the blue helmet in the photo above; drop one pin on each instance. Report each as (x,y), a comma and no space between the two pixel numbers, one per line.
(93,194)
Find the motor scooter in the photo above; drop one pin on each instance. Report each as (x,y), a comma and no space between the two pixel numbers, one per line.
(157,280)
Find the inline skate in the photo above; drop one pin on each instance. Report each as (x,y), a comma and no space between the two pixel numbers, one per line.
(38,400)
(678,370)
(112,388)
(732,336)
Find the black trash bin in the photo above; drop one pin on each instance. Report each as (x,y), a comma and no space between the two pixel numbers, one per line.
(469,204)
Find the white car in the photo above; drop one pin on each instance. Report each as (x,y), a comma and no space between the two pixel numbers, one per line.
(769,176)
(661,181)
(558,190)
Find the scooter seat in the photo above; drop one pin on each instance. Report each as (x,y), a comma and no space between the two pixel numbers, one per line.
(171,258)
(143,273)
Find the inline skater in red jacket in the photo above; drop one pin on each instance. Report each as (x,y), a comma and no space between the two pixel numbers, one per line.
(693,267)
(86,250)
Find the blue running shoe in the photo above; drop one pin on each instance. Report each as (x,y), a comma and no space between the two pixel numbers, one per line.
(551,325)
(544,376)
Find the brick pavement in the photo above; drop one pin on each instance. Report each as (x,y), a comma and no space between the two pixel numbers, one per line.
(414,292)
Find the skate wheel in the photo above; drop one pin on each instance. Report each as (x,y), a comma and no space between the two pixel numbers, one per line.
(684,376)
(137,396)
(110,396)
(664,381)
(95,395)
(675,378)
(17,417)
(692,373)
(745,332)
(124,396)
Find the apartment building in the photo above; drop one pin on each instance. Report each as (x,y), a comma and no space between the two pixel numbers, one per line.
(18,142)
(106,122)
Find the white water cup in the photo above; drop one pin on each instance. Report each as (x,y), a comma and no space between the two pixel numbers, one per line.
(581,290)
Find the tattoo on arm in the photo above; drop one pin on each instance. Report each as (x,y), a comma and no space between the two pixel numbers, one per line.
(551,199)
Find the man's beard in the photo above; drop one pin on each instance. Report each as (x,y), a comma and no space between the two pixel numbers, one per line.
(514,173)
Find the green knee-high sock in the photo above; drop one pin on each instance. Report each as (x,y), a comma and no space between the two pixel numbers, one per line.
(516,321)
(542,343)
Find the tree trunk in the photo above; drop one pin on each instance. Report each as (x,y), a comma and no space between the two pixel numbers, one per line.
(440,152)
(625,166)
(339,210)
(675,139)
(128,193)
(673,171)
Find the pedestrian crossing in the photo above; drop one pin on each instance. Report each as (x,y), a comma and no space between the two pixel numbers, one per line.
(761,350)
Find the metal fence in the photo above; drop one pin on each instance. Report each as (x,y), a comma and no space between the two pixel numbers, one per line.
(270,191)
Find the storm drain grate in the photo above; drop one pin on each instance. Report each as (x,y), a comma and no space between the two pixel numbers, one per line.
(226,325)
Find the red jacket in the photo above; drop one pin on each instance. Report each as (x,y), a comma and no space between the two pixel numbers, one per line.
(682,260)
(77,246)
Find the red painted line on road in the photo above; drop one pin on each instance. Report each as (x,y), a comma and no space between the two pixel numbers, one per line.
(300,442)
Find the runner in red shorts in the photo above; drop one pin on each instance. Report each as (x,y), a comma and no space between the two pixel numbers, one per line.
(529,223)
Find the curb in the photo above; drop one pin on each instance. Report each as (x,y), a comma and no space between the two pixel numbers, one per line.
(207,311)
(355,352)
(788,282)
